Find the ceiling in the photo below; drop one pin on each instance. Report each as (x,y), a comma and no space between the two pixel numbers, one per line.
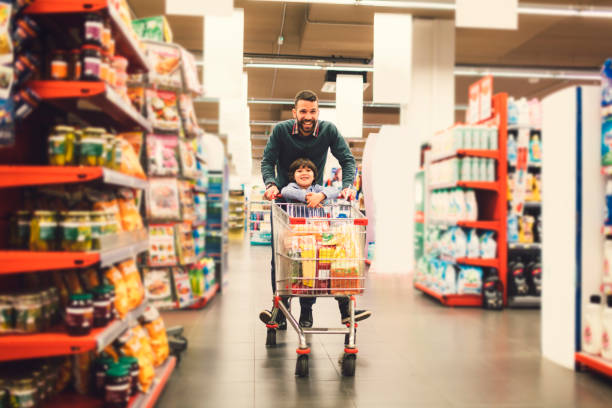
(347,31)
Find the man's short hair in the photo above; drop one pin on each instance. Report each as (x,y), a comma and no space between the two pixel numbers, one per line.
(298,164)
(305,95)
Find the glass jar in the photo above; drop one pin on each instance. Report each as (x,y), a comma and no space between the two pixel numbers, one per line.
(50,380)
(103,312)
(3,394)
(91,60)
(117,147)
(132,364)
(92,147)
(117,387)
(47,309)
(59,65)
(79,314)
(98,220)
(39,380)
(28,313)
(75,64)
(23,393)
(7,317)
(55,304)
(109,150)
(43,231)
(104,67)
(93,29)
(75,231)
(111,224)
(106,36)
(61,146)
(20,230)
(101,366)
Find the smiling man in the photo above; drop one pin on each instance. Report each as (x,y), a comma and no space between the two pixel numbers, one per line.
(305,136)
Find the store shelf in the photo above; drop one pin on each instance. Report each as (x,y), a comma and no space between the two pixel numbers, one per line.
(199,223)
(203,301)
(595,363)
(57,342)
(17,176)
(141,400)
(119,247)
(525,301)
(83,96)
(451,300)
(485,263)
(536,246)
(483,225)
(517,127)
(490,154)
(479,185)
(126,45)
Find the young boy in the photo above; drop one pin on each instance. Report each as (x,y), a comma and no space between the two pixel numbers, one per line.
(301,189)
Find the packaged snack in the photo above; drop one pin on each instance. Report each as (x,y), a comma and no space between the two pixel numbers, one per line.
(162,155)
(153,28)
(122,303)
(137,97)
(307,245)
(133,346)
(513,228)
(130,216)
(190,72)
(131,277)
(135,139)
(185,244)
(188,160)
(162,251)
(526,223)
(190,122)
(182,286)
(156,328)
(187,200)
(158,286)
(165,59)
(110,206)
(163,199)
(162,110)
(130,163)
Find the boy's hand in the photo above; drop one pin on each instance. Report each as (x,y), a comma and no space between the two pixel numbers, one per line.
(314,199)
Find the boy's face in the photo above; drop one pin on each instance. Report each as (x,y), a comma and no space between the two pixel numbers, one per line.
(304,177)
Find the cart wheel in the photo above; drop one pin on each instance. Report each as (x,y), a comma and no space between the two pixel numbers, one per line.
(348,365)
(346,338)
(301,367)
(271,337)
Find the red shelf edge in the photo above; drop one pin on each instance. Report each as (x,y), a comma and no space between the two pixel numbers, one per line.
(210,293)
(160,384)
(487,263)
(12,262)
(16,176)
(488,225)
(595,363)
(491,154)
(480,185)
(451,300)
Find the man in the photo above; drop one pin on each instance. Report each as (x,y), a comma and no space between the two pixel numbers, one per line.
(305,136)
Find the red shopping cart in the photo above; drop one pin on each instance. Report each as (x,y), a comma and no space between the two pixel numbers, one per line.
(319,252)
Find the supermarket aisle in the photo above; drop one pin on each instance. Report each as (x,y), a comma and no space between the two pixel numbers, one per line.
(413,353)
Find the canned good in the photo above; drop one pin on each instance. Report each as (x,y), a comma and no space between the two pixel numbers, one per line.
(75,231)
(61,146)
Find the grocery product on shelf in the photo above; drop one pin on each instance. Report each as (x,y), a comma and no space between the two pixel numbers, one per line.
(162,110)
(184,243)
(162,155)
(158,286)
(606,334)
(153,28)
(162,250)
(592,327)
(182,286)
(163,199)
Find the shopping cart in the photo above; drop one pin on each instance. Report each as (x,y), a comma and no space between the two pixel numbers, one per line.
(319,252)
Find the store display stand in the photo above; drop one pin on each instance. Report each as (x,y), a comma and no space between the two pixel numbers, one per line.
(493,209)
(217,223)
(236,215)
(260,231)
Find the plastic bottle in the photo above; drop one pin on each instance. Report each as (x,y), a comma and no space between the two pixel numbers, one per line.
(513,113)
(512,150)
(493,145)
(535,150)
(461,205)
(606,330)
(523,112)
(475,169)
(482,170)
(466,169)
(591,330)
(471,205)
(490,169)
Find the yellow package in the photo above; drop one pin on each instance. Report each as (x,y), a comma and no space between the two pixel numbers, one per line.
(308,251)
(134,348)
(130,164)
(121,293)
(112,207)
(90,278)
(131,220)
(156,328)
(133,282)
(72,281)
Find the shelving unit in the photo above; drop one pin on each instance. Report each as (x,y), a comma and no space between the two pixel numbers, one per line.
(236,215)
(217,222)
(493,209)
(260,232)
(21,176)
(594,363)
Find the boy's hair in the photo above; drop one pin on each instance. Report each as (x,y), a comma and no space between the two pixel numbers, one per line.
(298,164)
(305,95)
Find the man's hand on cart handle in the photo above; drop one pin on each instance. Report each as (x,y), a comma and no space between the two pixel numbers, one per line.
(271,193)
(348,194)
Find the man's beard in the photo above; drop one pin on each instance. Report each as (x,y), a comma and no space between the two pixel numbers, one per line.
(301,126)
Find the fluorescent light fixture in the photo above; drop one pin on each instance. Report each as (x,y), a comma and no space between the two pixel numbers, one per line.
(558,10)
(282,66)
(528,73)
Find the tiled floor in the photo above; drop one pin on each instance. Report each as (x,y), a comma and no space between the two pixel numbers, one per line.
(412,353)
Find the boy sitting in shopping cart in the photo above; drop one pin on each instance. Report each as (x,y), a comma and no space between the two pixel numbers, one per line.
(301,189)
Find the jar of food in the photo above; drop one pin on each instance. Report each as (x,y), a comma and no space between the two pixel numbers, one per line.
(104,67)
(111,224)
(91,60)
(7,319)
(59,65)
(79,314)
(20,230)
(47,309)
(101,366)
(97,228)
(117,147)
(23,393)
(117,387)
(55,304)
(50,380)
(75,64)
(43,231)
(92,147)
(94,29)
(3,394)
(109,150)
(103,312)
(61,146)
(28,313)
(134,367)
(75,231)
(39,380)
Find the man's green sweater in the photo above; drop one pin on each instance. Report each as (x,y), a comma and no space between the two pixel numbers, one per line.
(285,145)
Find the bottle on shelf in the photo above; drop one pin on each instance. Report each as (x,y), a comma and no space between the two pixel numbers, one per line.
(606,334)
(592,328)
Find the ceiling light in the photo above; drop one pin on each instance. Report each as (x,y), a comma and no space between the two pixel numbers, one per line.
(282,66)
(528,73)
(558,10)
